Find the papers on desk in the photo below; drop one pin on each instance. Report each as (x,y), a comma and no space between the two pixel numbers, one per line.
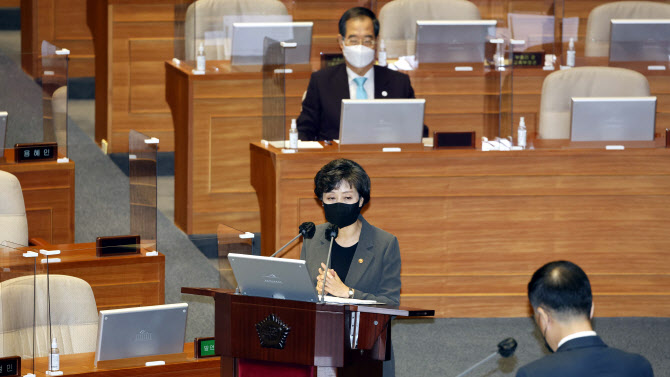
(352,301)
(309,145)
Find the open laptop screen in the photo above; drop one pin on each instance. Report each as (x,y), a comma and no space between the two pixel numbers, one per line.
(382,121)
(613,118)
(141,331)
(249,41)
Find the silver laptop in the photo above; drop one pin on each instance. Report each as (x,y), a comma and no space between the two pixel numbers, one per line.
(453,41)
(249,39)
(639,40)
(141,331)
(272,277)
(382,121)
(613,118)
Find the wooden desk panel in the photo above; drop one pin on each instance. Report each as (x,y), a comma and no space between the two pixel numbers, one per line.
(82,365)
(48,193)
(117,281)
(473,226)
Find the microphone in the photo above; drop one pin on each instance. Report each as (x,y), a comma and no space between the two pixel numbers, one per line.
(506,348)
(305,229)
(331,235)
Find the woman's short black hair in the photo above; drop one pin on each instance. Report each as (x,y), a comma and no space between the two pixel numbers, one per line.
(335,172)
(562,287)
(358,12)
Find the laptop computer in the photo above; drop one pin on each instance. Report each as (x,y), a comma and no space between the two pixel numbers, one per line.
(613,119)
(249,41)
(272,277)
(382,121)
(141,331)
(453,41)
(639,40)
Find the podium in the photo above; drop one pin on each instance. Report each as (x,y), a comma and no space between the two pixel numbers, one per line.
(291,338)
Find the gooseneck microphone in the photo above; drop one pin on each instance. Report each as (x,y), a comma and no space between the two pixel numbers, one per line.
(506,348)
(305,229)
(331,235)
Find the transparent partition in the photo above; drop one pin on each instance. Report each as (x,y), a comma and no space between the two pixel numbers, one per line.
(466,43)
(3,134)
(24,317)
(37,109)
(533,26)
(142,163)
(208,25)
(230,240)
(274,93)
(54,90)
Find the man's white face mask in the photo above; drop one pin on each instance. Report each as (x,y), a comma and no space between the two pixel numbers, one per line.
(358,56)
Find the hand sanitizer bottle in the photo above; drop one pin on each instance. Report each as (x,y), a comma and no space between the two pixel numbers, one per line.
(293,135)
(521,133)
(54,356)
(200,59)
(381,55)
(570,56)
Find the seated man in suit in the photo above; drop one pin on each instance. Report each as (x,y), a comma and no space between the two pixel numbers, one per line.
(560,294)
(359,78)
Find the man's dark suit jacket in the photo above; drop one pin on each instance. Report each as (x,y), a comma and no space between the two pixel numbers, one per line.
(320,116)
(588,357)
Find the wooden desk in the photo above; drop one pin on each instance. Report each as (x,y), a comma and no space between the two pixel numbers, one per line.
(117,281)
(82,365)
(48,193)
(473,226)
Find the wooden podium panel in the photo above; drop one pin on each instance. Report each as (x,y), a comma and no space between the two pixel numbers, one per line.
(121,281)
(473,226)
(48,193)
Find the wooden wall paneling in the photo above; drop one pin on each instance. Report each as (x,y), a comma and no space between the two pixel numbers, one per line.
(473,226)
(10,3)
(62,23)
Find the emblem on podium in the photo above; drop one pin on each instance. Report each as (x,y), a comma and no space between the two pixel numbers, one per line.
(272,332)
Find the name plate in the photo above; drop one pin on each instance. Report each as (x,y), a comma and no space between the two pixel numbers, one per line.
(528,59)
(35,152)
(204,347)
(10,366)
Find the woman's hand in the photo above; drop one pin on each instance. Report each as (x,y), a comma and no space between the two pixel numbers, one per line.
(334,285)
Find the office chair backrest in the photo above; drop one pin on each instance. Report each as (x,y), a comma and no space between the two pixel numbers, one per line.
(597,41)
(207,15)
(560,86)
(74,316)
(398,20)
(13,221)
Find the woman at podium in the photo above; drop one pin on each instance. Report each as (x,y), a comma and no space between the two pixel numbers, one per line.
(365,260)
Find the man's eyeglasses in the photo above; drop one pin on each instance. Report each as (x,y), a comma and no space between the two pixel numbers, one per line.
(353,41)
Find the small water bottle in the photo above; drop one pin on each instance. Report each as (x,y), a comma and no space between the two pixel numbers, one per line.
(293,135)
(200,59)
(570,59)
(54,356)
(521,133)
(381,54)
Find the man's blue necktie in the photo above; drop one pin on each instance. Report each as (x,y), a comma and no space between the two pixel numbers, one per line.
(360,91)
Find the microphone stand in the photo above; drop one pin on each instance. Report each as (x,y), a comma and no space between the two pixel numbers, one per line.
(478,364)
(332,232)
(285,246)
(506,348)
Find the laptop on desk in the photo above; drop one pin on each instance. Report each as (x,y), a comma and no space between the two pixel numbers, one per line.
(382,121)
(617,119)
(141,331)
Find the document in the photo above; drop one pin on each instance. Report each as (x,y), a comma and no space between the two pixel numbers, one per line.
(352,301)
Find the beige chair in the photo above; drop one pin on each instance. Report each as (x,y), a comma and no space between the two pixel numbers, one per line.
(207,16)
(559,87)
(74,316)
(13,221)
(398,20)
(598,25)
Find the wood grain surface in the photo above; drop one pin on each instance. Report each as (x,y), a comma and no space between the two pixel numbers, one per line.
(473,226)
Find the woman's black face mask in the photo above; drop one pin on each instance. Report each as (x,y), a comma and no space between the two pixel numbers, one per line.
(342,214)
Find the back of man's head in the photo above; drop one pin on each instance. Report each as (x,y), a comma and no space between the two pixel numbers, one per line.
(561,287)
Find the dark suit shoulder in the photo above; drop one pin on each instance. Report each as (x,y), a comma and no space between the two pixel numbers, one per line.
(589,362)
(329,72)
(393,75)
